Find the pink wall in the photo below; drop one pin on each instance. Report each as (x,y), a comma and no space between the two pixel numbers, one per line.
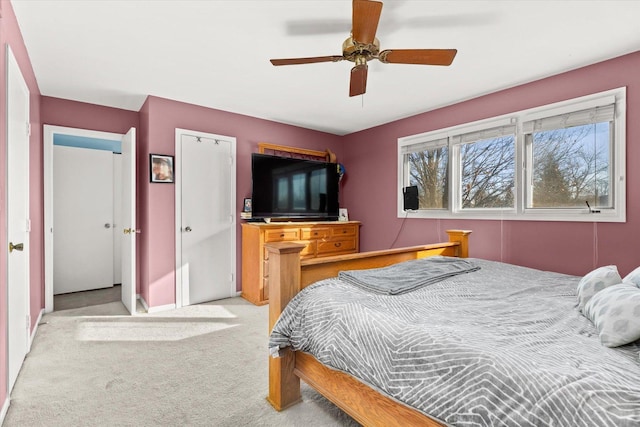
(569,247)
(10,34)
(160,118)
(80,115)
(73,114)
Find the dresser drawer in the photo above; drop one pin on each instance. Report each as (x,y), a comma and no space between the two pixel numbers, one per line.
(314,233)
(336,246)
(281,234)
(344,230)
(309,250)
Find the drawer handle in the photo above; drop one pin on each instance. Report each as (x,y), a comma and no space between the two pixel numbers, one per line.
(344,231)
(315,234)
(337,244)
(282,235)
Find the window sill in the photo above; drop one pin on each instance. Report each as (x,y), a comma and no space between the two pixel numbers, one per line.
(511,215)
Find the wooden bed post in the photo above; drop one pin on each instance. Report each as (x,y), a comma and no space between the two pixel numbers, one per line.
(284,280)
(461,236)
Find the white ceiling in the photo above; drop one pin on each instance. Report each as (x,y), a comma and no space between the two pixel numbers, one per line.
(216,53)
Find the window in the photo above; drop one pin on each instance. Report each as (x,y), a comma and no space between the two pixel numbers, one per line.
(560,162)
(571,160)
(488,169)
(427,167)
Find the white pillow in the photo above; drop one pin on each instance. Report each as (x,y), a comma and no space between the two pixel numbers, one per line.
(615,312)
(633,277)
(595,281)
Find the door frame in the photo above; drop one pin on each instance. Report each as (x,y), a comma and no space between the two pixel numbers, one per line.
(181,290)
(49,132)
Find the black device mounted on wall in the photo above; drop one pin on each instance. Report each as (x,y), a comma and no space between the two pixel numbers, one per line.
(410,198)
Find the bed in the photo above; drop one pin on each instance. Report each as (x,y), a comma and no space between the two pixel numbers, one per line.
(496,344)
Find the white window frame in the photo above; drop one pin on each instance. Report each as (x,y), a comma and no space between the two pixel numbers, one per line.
(523,163)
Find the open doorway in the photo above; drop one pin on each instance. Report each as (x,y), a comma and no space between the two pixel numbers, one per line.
(84,191)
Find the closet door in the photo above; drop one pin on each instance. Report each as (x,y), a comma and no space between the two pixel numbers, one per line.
(82,219)
(207,230)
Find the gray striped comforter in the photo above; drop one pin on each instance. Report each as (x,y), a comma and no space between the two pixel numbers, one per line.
(502,346)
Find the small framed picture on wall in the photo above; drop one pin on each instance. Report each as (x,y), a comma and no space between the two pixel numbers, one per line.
(161,168)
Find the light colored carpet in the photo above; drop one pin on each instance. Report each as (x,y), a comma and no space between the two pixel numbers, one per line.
(202,365)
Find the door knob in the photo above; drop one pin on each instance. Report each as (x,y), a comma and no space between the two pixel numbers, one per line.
(131,230)
(188,229)
(107,225)
(17,247)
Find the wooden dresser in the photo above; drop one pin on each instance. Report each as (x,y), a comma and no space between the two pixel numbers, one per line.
(321,239)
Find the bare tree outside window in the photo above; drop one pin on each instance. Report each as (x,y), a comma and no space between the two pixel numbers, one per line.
(488,173)
(571,166)
(429,171)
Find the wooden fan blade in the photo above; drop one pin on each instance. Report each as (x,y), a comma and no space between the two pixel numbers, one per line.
(366,15)
(358,83)
(418,56)
(295,61)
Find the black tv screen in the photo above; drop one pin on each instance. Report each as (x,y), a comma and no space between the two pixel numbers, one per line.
(289,188)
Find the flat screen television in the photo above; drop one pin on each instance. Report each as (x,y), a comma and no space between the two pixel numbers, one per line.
(285,188)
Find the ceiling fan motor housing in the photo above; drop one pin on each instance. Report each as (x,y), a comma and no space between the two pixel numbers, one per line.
(360,52)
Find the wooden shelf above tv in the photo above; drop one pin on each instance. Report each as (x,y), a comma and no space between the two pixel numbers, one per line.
(295,152)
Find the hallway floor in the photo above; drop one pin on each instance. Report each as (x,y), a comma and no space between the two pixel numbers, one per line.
(86,298)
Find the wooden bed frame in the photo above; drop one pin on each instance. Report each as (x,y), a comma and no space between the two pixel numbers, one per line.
(287,276)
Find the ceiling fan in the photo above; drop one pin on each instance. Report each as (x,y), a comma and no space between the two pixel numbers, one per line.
(363,46)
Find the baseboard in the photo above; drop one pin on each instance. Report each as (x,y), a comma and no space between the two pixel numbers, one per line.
(144,303)
(161,308)
(3,411)
(156,309)
(35,328)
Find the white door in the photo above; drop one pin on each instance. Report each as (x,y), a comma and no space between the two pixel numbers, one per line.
(82,219)
(207,230)
(128,221)
(18,224)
